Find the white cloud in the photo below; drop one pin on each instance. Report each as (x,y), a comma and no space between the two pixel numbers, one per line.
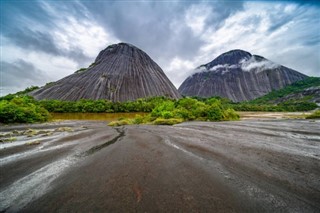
(51,67)
(196,17)
(253,64)
(85,35)
(177,70)
(249,30)
(223,66)
(78,33)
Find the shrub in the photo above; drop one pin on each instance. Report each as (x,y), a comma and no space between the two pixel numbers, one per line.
(230,114)
(120,123)
(81,70)
(161,109)
(314,115)
(170,121)
(215,113)
(138,119)
(22,110)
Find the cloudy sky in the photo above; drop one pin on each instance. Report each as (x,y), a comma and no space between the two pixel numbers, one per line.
(43,41)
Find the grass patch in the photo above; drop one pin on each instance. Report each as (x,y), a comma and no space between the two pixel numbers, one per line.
(314,115)
(33,143)
(121,122)
(168,121)
(11,139)
(64,129)
(30,132)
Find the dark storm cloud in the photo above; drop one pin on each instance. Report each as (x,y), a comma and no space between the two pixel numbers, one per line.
(43,42)
(307,2)
(149,25)
(28,25)
(276,24)
(19,75)
(40,41)
(143,24)
(312,41)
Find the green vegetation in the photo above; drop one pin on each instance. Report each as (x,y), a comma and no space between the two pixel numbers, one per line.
(169,121)
(21,93)
(85,69)
(314,115)
(81,70)
(10,139)
(162,110)
(121,122)
(49,84)
(170,112)
(92,65)
(288,106)
(268,102)
(291,89)
(192,109)
(94,106)
(22,110)
(33,143)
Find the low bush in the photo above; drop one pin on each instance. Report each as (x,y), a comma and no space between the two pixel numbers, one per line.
(22,110)
(170,112)
(169,121)
(314,115)
(121,122)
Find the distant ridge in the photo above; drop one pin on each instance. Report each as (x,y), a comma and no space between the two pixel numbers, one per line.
(239,76)
(121,72)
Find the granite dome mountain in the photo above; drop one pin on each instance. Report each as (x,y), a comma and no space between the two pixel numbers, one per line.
(239,76)
(121,72)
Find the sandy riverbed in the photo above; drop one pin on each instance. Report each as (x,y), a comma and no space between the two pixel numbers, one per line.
(242,166)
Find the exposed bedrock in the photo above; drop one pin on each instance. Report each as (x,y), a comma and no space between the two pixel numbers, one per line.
(239,76)
(121,72)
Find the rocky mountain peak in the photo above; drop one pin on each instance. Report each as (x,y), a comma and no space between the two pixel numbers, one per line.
(232,57)
(121,72)
(117,49)
(239,76)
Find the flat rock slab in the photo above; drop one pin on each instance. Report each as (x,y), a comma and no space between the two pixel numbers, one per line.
(244,166)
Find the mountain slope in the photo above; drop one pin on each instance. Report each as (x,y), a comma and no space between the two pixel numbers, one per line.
(307,89)
(121,72)
(239,76)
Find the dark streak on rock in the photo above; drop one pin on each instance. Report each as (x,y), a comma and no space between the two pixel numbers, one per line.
(101,146)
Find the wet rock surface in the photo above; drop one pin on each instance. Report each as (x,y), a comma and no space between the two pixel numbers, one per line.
(121,72)
(238,76)
(244,166)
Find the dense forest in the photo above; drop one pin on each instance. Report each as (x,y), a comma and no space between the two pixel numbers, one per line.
(24,109)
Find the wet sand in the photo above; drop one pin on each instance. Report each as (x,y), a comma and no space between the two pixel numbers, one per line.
(242,166)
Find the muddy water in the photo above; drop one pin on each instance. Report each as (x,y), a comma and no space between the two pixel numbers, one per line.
(116,116)
(94,116)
